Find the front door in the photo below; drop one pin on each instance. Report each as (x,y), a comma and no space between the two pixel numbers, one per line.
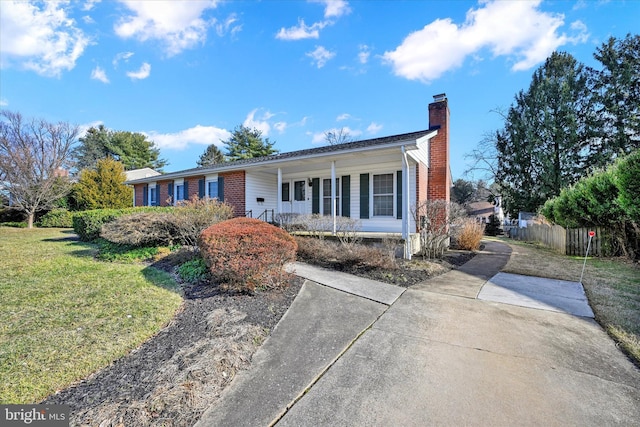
(299,203)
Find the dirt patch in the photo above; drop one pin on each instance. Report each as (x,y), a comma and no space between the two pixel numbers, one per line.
(171,379)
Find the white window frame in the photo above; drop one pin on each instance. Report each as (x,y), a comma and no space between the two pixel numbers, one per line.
(178,183)
(152,188)
(392,194)
(324,197)
(207,180)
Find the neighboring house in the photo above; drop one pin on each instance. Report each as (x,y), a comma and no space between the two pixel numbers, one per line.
(136,174)
(377,181)
(483,210)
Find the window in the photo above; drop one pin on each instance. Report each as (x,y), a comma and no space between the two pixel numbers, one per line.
(383,195)
(326,197)
(298,191)
(286,196)
(212,189)
(153,196)
(179,192)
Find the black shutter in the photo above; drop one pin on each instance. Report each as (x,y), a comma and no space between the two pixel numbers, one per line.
(315,196)
(201,188)
(399,195)
(346,195)
(364,196)
(185,185)
(157,190)
(145,195)
(221,188)
(170,192)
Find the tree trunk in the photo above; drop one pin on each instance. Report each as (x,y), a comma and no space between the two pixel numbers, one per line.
(30,216)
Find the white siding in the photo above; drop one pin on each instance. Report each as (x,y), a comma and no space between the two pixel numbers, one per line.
(260,185)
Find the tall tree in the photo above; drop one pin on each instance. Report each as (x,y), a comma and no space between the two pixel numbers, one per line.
(246,143)
(617,89)
(339,136)
(103,187)
(211,156)
(462,191)
(133,149)
(34,158)
(547,130)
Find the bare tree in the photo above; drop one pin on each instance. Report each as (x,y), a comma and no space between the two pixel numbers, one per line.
(34,157)
(338,136)
(436,221)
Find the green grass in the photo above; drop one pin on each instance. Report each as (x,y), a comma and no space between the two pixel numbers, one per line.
(65,315)
(612,287)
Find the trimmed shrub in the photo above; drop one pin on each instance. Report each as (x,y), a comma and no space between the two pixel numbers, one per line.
(140,229)
(15,224)
(469,234)
(332,254)
(88,224)
(58,218)
(245,253)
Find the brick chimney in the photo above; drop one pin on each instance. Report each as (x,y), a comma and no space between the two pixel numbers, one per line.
(439,172)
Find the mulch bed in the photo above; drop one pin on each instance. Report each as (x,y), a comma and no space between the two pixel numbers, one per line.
(171,379)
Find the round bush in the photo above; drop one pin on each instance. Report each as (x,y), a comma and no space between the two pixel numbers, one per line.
(245,253)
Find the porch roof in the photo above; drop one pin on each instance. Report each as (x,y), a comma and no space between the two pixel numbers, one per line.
(412,138)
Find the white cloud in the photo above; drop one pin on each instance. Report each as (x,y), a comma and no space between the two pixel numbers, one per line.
(40,37)
(88,20)
(89,4)
(301,31)
(197,135)
(320,56)
(3,102)
(99,74)
(517,30)
(280,126)
(343,116)
(178,24)
(363,55)
(228,26)
(142,73)
(334,8)
(261,123)
(83,128)
(122,56)
(374,128)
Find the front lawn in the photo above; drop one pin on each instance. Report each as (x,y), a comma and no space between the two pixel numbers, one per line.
(612,287)
(64,315)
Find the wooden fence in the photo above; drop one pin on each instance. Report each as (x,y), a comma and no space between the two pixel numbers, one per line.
(567,241)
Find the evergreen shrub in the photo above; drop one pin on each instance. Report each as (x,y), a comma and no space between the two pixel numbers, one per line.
(245,253)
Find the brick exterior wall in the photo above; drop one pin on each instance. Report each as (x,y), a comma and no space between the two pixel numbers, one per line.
(439,187)
(234,191)
(138,193)
(192,182)
(163,193)
(422,182)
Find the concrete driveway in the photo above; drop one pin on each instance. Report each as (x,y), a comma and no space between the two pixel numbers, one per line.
(434,354)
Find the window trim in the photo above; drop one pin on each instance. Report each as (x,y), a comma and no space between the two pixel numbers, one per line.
(393,195)
(338,196)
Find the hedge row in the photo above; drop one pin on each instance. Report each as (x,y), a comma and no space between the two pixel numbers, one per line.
(87,224)
(606,198)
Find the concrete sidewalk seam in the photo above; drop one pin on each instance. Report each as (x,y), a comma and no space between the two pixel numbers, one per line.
(354,294)
(327,368)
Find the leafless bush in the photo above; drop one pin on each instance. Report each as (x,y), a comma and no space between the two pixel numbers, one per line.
(348,231)
(333,254)
(192,216)
(434,219)
(317,225)
(141,229)
(290,221)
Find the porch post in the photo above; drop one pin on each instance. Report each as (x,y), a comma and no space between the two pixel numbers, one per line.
(333,196)
(406,205)
(279,191)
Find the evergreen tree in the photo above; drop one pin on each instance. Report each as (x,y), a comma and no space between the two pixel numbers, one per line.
(617,88)
(542,146)
(211,156)
(103,187)
(246,143)
(130,148)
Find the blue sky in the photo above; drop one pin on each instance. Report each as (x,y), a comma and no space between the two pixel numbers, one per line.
(185,73)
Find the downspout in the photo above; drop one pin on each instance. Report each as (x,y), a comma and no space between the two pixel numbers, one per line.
(405,204)
(333,196)
(279,191)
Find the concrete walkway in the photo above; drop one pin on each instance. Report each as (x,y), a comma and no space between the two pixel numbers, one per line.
(434,354)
